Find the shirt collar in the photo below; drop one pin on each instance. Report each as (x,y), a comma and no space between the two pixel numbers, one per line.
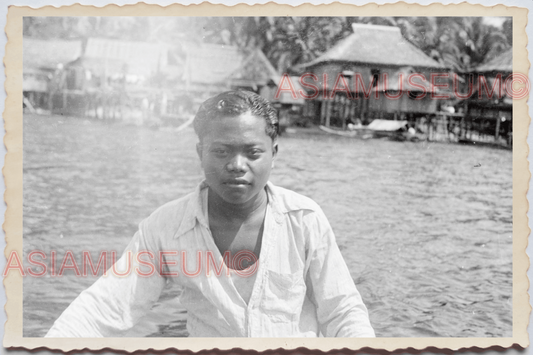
(196,208)
(193,211)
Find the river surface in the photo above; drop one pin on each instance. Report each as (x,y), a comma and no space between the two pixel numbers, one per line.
(425,228)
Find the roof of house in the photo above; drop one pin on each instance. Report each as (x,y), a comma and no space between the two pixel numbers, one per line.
(229,66)
(140,58)
(371,44)
(500,63)
(211,63)
(47,54)
(255,69)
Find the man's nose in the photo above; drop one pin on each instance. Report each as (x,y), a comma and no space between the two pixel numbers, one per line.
(237,163)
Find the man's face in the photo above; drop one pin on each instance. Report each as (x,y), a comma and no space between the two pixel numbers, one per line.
(237,156)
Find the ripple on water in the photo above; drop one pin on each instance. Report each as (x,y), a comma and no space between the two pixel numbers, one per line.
(425,233)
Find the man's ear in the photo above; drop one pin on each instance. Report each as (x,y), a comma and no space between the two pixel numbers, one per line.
(199,150)
(274,151)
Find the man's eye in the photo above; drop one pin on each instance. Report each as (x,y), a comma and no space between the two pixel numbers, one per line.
(219,151)
(255,153)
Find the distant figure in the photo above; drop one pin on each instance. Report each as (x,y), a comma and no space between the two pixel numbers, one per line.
(147,108)
(355,125)
(281,271)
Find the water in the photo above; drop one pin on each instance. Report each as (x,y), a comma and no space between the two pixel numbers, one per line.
(425,228)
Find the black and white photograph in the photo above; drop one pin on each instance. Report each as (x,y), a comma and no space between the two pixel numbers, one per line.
(267,176)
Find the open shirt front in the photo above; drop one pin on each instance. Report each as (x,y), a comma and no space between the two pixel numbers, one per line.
(302,286)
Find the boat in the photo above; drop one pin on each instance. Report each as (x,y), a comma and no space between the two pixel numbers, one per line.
(355,133)
(378,128)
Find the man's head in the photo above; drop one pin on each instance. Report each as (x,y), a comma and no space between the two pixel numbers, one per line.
(238,143)
(234,103)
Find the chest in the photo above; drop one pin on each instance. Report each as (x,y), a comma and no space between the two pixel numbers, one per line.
(236,235)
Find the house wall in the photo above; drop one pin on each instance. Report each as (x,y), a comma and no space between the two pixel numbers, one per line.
(35,87)
(330,71)
(337,112)
(499,87)
(402,104)
(35,83)
(490,115)
(268,92)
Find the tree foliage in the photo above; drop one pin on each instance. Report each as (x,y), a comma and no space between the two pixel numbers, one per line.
(460,43)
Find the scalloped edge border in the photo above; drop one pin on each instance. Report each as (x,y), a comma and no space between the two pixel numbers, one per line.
(13,179)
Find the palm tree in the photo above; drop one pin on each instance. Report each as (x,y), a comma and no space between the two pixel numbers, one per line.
(459,43)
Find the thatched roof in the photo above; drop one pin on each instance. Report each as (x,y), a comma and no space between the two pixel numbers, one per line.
(501,63)
(47,54)
(212,64)
(382,45)
(255,69)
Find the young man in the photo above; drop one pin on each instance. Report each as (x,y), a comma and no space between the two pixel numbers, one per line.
(280,272)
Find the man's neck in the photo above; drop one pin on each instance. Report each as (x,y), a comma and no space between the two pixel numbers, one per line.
(221,208)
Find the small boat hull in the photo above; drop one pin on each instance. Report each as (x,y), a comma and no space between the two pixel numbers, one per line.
(360,133)
(368,133)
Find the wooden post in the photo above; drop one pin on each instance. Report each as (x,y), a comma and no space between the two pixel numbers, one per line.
(345,111)
(344,116)
(64,100)
(445,127)
(96,103)
(323,110)
(328,112)
(362,109)
(51,101)
(430,128)
(497,133)
(462,131)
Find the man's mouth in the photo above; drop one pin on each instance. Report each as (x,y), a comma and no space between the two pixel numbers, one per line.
(236,182)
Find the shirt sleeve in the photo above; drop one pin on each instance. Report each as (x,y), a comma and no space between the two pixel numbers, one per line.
(114,304)
(340,308)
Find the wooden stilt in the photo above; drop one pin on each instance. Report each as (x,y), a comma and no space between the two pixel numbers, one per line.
(497,133)
(328,112)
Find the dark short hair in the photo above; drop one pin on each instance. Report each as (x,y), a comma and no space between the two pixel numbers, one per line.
(234,103)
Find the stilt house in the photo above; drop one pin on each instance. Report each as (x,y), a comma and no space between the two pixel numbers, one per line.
(42,59)
(490,109)
(107,76)
(366,76)
(212,68)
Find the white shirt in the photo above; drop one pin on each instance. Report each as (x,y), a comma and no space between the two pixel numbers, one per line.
(302,285)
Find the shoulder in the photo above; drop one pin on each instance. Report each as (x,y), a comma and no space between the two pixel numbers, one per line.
(290,201)
(173,215)
(171,208)
(303,215)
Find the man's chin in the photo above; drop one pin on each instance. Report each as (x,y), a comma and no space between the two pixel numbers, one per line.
(236,194)
(236,199)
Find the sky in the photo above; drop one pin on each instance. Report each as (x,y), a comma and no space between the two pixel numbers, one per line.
(495,21)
